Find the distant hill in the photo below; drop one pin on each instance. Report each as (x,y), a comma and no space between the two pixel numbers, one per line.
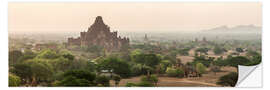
(237,29)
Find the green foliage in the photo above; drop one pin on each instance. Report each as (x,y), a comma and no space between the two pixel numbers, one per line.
(73,82)
(172,72)
(130,84)
(140,84)
(144,84)
(41,69)
(14,56)
(91,66)
(220,62)
(103,80)
(33,70)
(200,68)
(139,69)
(69,56)
(116,79)
(252,53)
(164,64)
(228,80)
(217,50)
(151,79)
(238,60)
(202,50)
(23,71)
(47,54)
(147,59)
(184,51)
(77,78)
(61,64)
(118,66)
(201,59)
(13,80)
(78,64)
(28,54)
(135,52)
(255,60)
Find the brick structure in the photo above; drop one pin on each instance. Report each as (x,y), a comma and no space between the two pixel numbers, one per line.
(99,34)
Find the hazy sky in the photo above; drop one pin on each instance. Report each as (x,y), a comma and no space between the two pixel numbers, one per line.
(156,17)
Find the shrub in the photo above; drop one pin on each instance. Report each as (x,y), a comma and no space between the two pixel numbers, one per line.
(217,50)
(200,68)
(77,78)
(151,79)
(73,81)
(175,72)
(228,80)
(103,80)
(14,80)
(130,84)
(145,84)
(116,79)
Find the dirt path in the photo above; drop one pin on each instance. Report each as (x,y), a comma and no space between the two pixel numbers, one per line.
(182,82)
(197,82)
(169,82)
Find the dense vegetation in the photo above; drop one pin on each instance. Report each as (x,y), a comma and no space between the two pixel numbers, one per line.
(92,66)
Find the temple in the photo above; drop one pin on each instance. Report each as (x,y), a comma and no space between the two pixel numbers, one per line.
(99,34)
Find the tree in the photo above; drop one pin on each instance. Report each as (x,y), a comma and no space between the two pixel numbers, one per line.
(115,64)
(184,51)
(202,50)
(91,66)
(77,78)
(217,50)
(116,79)
(28,54)
(200,68)
(148,59)
(14,56)
(144,84)
(41,70)
(61,64)
(164,64)
(69,56)
(103,80)
(151,79)
(172,72)
(238,60)
(228,80)
(255,60)
(13,80)
(202,59)
(73,82)
(47,54)
(23,71)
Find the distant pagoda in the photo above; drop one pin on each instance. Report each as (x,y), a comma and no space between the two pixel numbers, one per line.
(99,34)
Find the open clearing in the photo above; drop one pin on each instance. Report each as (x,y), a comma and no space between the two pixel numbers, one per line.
(207,80)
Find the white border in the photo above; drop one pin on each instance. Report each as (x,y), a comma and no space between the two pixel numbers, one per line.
(4,40)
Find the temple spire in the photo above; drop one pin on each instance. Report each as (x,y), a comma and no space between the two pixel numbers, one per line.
(99,20)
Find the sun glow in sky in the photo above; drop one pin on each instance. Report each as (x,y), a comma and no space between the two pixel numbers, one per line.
(131,17)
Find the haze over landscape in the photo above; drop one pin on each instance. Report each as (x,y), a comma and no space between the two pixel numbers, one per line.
(132,44)
(130,17)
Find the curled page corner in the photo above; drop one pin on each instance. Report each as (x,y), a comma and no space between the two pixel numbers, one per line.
(249,76)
